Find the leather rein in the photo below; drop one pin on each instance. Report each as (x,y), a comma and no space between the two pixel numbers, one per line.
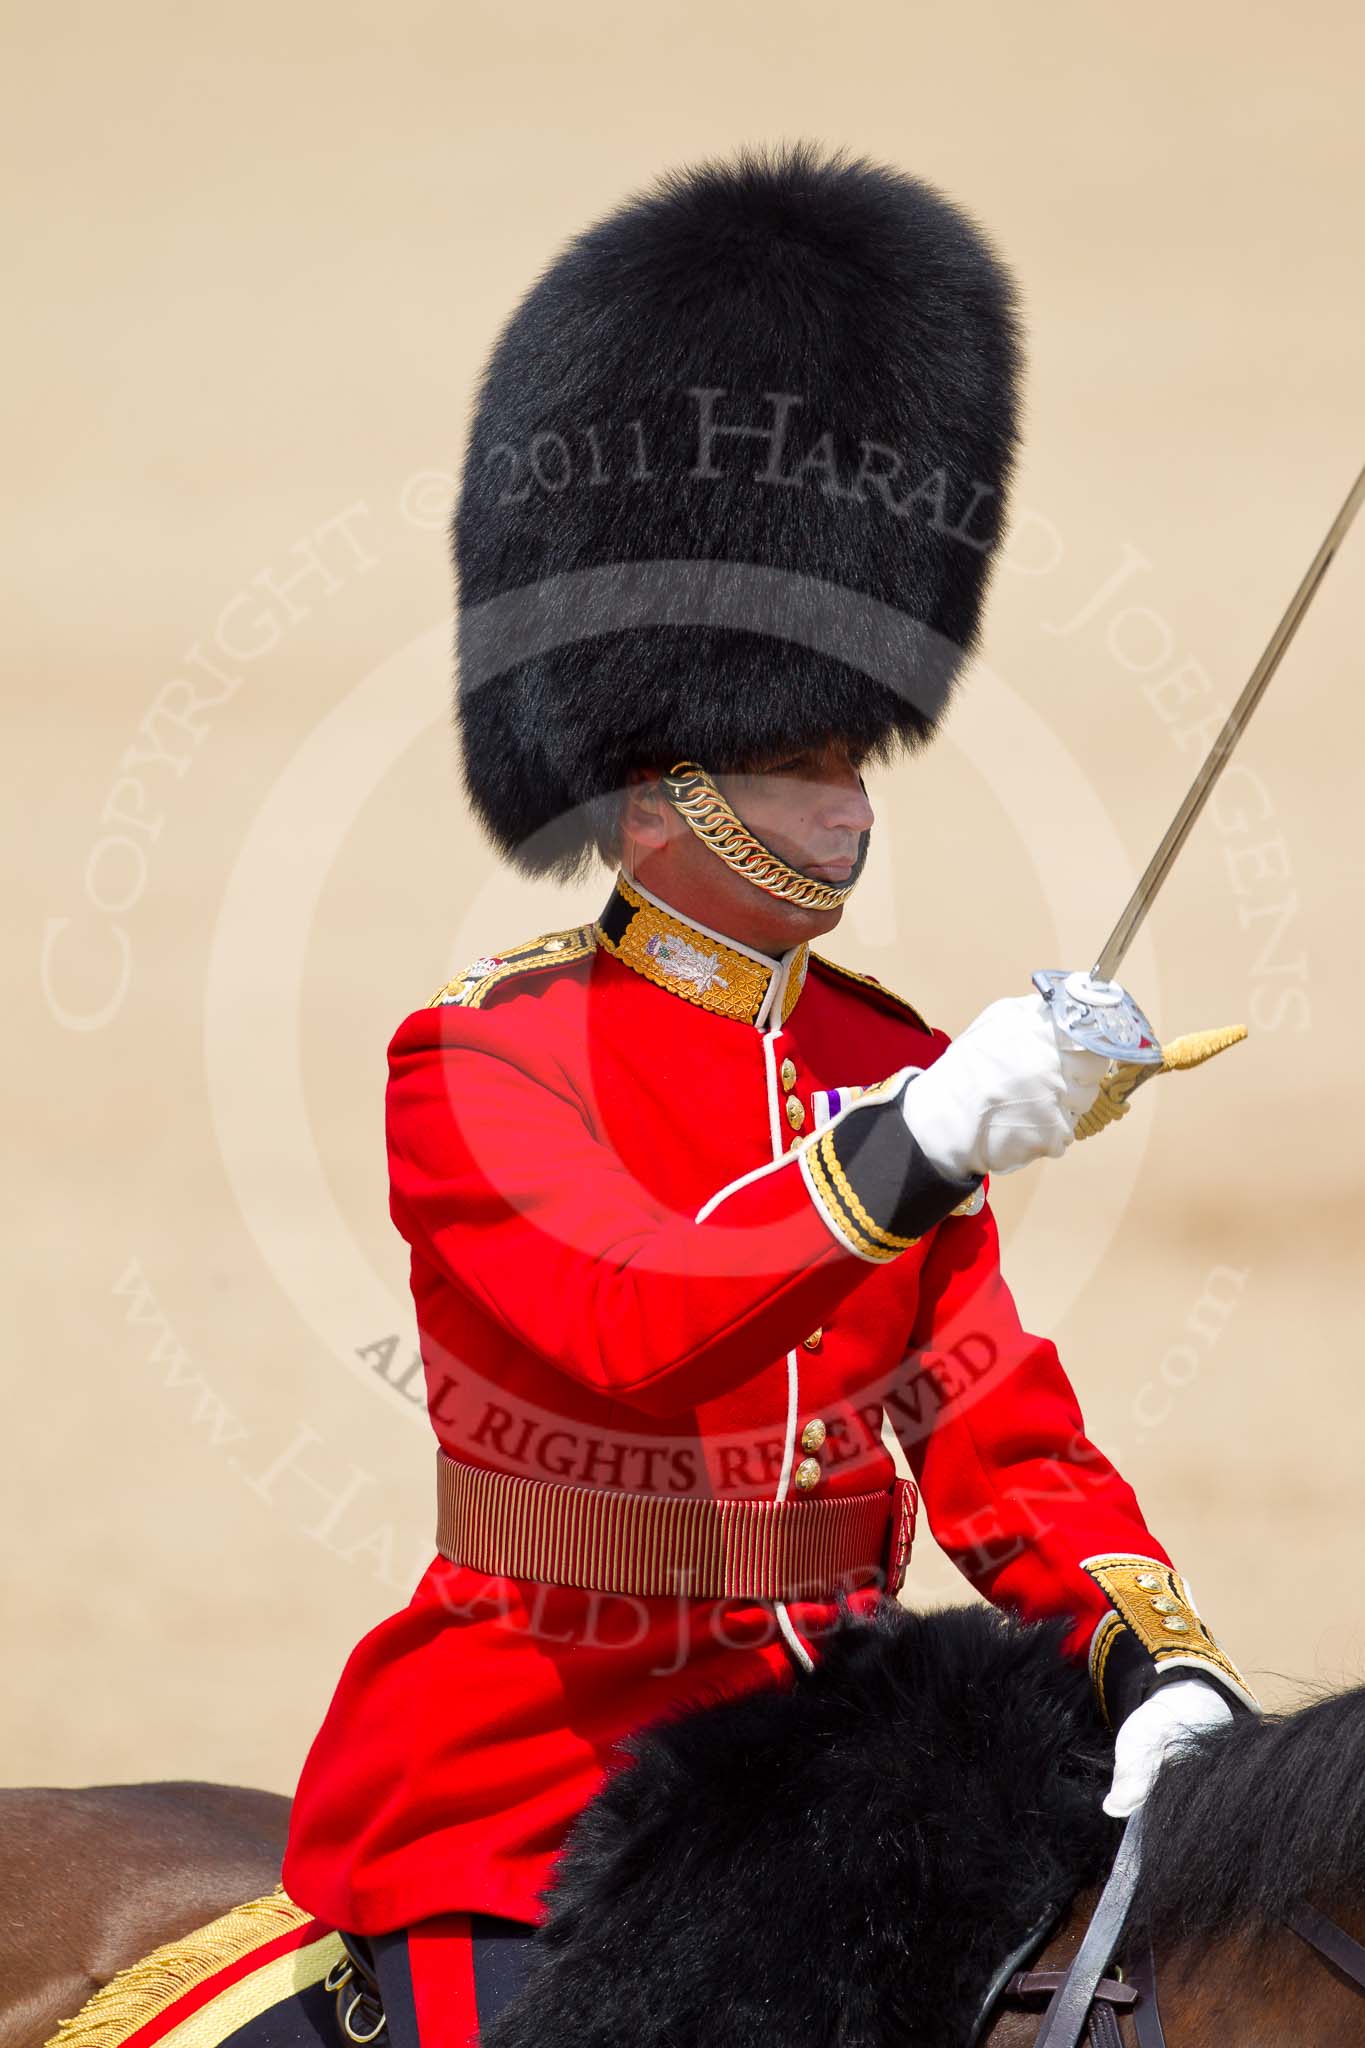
(1136,1995)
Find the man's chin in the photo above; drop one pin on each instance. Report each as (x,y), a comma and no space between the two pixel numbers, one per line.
(804,924)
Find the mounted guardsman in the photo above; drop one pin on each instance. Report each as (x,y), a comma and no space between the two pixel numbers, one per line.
(691,1207)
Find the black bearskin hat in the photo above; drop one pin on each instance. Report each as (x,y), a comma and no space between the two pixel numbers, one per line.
(734,483)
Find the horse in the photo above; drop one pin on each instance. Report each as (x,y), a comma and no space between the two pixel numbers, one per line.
(94,1877)
(899,1849)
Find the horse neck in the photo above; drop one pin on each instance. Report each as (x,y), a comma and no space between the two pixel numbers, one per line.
(1252,1990)
(1260,1989)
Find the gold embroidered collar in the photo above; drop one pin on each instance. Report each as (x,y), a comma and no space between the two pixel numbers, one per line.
(703,967)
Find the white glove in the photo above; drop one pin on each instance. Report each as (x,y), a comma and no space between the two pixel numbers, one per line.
(1007,1091)
(1163,1721)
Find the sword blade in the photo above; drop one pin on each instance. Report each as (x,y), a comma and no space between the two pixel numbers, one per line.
(1182,824)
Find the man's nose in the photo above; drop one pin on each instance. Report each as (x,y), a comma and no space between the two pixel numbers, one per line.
(843,802)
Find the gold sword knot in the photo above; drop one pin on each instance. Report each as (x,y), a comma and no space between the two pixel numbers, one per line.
(1123,1077)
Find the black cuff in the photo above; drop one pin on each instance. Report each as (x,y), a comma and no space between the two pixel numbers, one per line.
(1171,1674)
(1132,1675)
(877,1190)
(1127,1677)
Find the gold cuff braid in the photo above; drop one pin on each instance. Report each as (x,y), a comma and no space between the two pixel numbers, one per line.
(1151,1599)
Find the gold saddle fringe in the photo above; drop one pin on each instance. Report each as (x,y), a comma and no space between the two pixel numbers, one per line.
(144,1990)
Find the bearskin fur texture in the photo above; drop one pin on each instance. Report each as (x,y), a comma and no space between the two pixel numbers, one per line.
(735,479)
(844,1862)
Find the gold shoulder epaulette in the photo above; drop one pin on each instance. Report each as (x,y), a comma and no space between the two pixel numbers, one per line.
(887,996)
(490,970)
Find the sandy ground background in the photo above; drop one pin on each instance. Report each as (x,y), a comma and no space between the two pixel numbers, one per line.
(260,254)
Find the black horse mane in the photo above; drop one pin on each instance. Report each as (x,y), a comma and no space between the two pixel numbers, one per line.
(843,1860)
(847,1860)
(1255,1819)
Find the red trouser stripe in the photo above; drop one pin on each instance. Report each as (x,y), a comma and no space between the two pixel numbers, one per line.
(441,1959)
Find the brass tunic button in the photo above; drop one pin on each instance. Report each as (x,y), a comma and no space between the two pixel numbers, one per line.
(1174,1622)
(1165,1605)
(813,1435)
(814,1341)
(807,1474)
(793,1141)
(1148,1581)
(787,1074)
(796,1112)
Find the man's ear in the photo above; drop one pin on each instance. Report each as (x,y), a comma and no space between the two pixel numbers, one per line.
(644,809)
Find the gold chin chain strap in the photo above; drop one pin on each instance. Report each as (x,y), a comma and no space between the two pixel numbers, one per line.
(699,803)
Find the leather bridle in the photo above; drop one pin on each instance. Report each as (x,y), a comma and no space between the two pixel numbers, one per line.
(1136,1993)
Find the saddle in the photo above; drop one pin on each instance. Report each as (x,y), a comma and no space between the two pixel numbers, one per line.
(263,1973)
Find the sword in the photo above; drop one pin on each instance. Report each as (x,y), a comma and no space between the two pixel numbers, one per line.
(1091,1009)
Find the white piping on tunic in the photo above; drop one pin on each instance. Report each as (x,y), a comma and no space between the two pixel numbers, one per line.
(775,1132)
(771,1006)
(784,1620)
(732,1187)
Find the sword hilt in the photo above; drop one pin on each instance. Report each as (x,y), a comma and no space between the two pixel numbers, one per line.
(1099,1016)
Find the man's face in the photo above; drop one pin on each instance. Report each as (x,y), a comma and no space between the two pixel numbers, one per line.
(810,808)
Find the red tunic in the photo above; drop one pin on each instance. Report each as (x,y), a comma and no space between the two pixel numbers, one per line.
(623,1277)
